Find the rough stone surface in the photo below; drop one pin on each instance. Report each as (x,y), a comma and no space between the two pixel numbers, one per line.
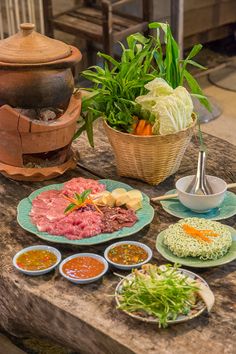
(85,318)
(6,346)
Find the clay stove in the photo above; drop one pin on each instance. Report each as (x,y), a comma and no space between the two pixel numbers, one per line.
(38,110)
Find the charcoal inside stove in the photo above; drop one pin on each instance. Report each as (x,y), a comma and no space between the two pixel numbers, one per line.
(43,114)
(47,159)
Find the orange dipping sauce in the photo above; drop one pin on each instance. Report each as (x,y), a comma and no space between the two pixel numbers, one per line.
(36,260)
(83,267)
(127,254)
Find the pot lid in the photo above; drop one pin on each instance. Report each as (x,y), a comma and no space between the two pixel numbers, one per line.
(30,47)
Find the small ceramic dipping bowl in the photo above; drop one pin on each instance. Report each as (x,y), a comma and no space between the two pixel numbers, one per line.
(118,265)
(84,263)
(201,203)
(50,249)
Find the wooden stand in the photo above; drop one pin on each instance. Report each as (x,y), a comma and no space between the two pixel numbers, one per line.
(98,22)
(20,135)
(37,174)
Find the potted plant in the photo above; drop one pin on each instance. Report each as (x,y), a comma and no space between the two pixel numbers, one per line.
(148,114)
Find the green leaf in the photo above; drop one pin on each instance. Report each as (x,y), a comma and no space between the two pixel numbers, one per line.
(92,76)
(160,62)
(173,49)
(79,131)
(196,89)
(157,25)
(153,25)
(84,195)
(137,37)
(197,95)
(87,100)
(131,41)
(194,51)
(109,58)
(194,63)
(99,70)
(78,198)
(89,127)
(69,207)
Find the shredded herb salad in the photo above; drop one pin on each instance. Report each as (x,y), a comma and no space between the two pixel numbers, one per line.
(160,292)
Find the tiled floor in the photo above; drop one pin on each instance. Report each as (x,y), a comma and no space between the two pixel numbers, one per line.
(223,127)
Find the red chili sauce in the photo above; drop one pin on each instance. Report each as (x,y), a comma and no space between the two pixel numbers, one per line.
(127,254)
(83,267)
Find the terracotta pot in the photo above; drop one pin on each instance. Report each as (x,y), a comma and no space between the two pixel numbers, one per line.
(19,88)
(35,71)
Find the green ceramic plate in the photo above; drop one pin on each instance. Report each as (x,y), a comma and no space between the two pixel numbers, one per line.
(145,216)
(226,210)
(196,262)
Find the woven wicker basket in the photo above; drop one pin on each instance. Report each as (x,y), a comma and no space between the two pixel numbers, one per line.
(152,158)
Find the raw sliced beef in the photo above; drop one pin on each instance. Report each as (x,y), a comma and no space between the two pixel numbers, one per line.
(80,184)
(116,218)
(76,225)
(51,209)
(48,213)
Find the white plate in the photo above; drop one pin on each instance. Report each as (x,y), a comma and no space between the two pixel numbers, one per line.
(200,308)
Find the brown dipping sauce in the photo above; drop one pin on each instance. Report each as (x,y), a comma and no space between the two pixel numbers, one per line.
(83,267)
(127,254)
(36,260)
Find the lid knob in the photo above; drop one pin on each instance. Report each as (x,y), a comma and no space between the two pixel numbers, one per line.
(27,28)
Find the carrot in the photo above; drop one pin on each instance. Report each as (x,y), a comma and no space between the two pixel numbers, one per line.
(90,201)
(195,233)
(140,127)
(135,123)
(210,233)
(134,126)
(200,238)
(78,206)
(72,200)
(147,129)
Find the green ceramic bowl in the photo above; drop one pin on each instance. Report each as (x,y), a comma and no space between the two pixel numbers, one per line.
(226,210)
(145,216)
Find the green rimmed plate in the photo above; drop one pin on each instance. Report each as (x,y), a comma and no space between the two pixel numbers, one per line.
(225,211)
(145,216)
(196,262)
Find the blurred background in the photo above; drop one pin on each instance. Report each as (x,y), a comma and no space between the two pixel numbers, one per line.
(99,24)
(93,25)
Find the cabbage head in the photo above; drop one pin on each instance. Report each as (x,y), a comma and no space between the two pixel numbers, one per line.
(172,108)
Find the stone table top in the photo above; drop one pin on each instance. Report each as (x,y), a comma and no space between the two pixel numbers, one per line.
(85,318)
